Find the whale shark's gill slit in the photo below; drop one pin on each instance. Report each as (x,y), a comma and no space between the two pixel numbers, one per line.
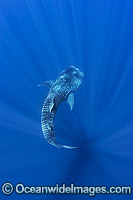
(60,90)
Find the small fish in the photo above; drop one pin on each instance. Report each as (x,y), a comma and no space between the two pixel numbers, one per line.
(62,89)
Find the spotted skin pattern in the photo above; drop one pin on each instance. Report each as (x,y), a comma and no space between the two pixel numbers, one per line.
(60,89)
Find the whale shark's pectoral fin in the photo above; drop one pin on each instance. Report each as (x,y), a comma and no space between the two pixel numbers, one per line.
(70,100)
(48,83)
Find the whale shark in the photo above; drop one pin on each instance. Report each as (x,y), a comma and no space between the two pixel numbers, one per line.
(61,89)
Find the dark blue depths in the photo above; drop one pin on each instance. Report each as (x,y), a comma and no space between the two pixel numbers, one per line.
(40,38)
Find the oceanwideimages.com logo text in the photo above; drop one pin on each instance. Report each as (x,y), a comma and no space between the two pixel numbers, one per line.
(8,188)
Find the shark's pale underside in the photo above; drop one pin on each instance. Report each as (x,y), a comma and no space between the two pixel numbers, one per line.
(62,89)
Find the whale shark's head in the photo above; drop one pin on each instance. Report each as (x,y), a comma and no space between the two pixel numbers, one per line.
(74,76)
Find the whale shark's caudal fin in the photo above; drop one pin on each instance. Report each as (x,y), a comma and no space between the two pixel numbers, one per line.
(64,146)
(67,147)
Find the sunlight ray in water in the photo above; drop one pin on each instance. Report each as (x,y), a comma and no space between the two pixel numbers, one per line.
(38,40)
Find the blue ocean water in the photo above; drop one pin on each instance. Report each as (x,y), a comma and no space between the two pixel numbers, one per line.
(38,39)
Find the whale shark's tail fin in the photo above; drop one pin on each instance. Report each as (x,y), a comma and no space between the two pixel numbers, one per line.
(64,146)
(67,147)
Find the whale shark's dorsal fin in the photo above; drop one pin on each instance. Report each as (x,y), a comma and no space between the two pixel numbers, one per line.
(48,83)
(70,100)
